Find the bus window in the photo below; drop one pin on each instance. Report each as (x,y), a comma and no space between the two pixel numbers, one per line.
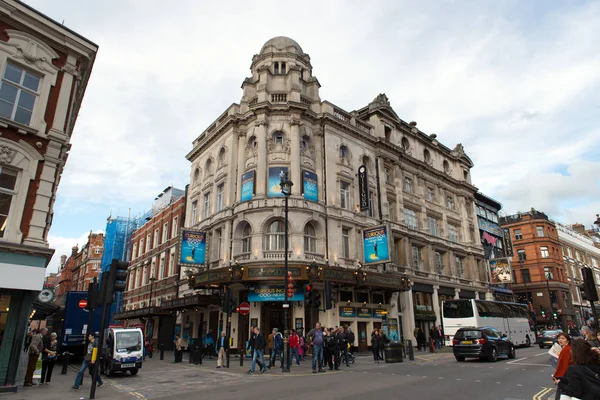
(458,309)
(488,309)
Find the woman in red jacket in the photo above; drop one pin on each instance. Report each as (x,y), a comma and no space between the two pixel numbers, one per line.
(564,359)
(294,346)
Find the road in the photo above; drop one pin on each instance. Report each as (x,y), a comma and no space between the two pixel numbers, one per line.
(430,376)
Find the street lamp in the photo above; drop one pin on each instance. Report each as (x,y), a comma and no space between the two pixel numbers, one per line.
(286,188)
(548,275)
(152,279)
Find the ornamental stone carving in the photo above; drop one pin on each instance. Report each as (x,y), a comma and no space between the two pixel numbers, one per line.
(7,154)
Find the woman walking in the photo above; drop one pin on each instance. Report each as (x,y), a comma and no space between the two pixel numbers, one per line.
(375,345)
(581,380)
(564,359)
(49,358)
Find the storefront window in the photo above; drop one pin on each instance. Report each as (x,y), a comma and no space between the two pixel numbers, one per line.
(346,295)
(362,297)
(4,309)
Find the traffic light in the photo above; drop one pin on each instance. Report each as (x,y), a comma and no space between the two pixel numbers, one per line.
(328,296)
(317,300)
(225,302)
(589,286)
(232,305)
(543,313)
(92,297)
(555,314)
(308,295)
(113,281)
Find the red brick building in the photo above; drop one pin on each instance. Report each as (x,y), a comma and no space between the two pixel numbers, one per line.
(154,270)
(539,276)
(88,266)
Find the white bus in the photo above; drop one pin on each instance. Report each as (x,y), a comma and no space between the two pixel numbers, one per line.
(511,319)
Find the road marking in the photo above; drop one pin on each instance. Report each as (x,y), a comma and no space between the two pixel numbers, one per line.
(541,354)
(539,395)
(478,381)
(517,360)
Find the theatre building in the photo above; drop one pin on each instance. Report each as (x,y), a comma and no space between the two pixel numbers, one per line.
(379,209)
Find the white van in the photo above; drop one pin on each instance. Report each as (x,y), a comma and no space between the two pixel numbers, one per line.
(123,351)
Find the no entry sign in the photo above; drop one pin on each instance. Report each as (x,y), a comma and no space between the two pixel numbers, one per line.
(82,303)
(244,308)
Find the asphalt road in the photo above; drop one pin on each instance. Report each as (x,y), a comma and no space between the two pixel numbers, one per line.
(430,376)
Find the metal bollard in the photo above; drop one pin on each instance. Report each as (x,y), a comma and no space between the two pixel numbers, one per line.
(197,358)
(162,351)
(65,363)
(411,353)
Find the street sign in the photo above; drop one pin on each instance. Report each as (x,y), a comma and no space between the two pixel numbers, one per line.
(244,309)
(82,303)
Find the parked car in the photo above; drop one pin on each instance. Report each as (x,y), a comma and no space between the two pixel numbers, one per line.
(484,342)
(548,338)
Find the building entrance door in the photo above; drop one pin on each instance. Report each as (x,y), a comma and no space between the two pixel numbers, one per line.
(362,337)
(272,316)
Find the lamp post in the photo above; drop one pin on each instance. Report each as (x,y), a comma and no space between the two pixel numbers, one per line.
(548,277)
(286,188)
(152,279)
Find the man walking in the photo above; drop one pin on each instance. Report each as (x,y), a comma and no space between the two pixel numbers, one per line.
(350,337)
(35,348)
(88,363)
(222,347)
(277,348)
(259,350)
(315,337)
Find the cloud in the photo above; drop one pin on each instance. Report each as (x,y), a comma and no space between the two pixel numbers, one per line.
(64,246)
(516,83)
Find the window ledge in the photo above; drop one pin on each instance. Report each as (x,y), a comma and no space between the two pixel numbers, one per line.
(24,129)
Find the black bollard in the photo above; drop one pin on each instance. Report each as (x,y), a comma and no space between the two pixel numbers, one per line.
(65,363)
(411,353)
(197,358)
(162,351)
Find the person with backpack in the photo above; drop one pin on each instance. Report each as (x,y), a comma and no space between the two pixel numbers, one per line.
(315,337)
(277,348)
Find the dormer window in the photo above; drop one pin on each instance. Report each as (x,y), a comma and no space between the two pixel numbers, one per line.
(282,68)
(276,68)
(18,93)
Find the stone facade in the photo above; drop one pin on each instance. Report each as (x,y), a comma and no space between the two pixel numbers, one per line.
(418,188)
(45,69)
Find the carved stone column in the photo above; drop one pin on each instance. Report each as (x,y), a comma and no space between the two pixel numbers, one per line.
(261,162)
(296,175)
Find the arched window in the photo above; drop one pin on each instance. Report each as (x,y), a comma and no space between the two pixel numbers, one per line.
(197,175)
(446,166)
(247,239)
(221,160)
(252,143)
(275,236)
(405,144)
(208,167)
(305,142)
(310,239)
(343,152)
(427,156)
(278,138)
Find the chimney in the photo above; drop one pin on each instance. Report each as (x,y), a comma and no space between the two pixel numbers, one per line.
(63,260)
(74,251)
(579,228)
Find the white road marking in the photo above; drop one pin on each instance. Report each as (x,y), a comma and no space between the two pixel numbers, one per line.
(458,379)
(478,381)
(541,354)
(498,383)
(517,360)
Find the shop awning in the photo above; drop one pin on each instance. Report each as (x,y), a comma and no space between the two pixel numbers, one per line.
(198,300)
(43,310)
(141,313)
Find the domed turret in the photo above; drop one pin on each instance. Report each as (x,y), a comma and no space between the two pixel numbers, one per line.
(281,43)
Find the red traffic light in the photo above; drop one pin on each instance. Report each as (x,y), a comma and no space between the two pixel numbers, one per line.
(309,287)
(237,309)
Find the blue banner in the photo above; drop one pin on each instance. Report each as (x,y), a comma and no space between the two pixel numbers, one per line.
(311,188)
(247,186)
(274,188)
(273,293)
(193,248)
(393,333)
(376,245)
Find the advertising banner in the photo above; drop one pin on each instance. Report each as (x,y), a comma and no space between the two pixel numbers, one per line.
(247,186)
(393,332)
(500,271)
(193,248)
(347,312)
(310,186)
(380,313)
(365,313)
(274,187)
(508,244)
(363,188)
(376,245)
(273,293)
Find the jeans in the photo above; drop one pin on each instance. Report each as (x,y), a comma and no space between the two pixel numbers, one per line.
(317,356)
(274,354)
(257,354)
(295,354)
(79,378)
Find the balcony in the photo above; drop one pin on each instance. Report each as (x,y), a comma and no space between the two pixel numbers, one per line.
(313,256)
(276,254)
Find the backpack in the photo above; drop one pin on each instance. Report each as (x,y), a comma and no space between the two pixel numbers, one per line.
(278,341)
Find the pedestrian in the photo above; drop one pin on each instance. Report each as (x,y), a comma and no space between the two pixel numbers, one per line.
(277,348)
(375,346)
(178,349)
(270,345)
(302,347)
(581,379)
(36,346)
(294,347)
(351,338)
(222,347)
(49,358)
(252,344)
(564,359)
(329,345)
(383,339)
(88,363)
(315,337)
(259,351)
(573,332)
(421,340)
(210,343)
(441,336)
(344,337)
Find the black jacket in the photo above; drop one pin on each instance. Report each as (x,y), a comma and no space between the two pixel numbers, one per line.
(218,343)
(581,381)
(252,340)
(260,343)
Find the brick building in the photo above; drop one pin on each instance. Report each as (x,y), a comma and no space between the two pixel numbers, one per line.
(44,69)
(539,276)
(153,271)
(88,262)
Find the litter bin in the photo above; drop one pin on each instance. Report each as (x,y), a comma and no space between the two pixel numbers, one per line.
(393,351)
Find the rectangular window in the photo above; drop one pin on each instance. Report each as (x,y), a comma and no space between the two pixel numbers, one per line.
(540,231)
(410,218)
(544,252)
(194,211)
(148,242)
(408,185)
(219,235)
(570,252)
(8,183)
(18,93)
(450,203)
(548,273)
(161,268)
(518,234)
(392,210)
(206,205)
(345,195)
(433,226)
(430,194)
(346,242)
(165,236)
(522,255)
(276,68)
(371,211)
(176,226)
(594,263)
(220,190)
(526,275)
(439,264)
(156,238)
(388,176)
(134,252)
(481,211)
(460,269)
(417,258)
(283,68)
(453,233)
(577,256)
(141,247)
(172,263)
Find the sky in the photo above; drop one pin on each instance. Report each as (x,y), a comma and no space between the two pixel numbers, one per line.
(515,82)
